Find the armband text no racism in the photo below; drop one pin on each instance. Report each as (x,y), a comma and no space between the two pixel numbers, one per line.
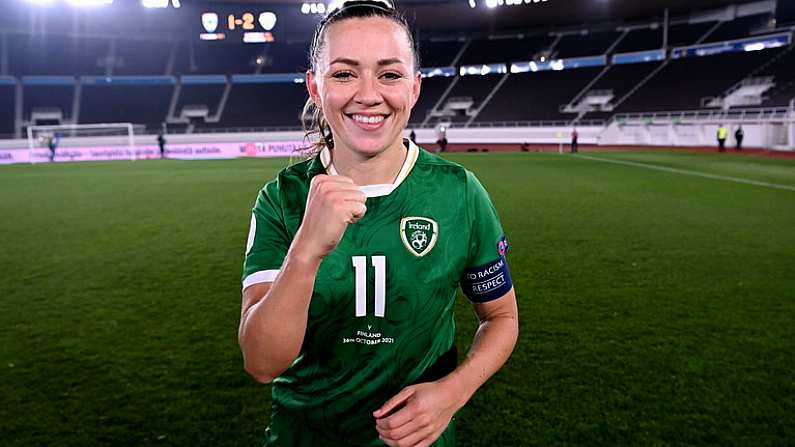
(487,282)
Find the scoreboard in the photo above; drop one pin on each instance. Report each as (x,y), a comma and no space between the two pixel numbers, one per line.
(247,25)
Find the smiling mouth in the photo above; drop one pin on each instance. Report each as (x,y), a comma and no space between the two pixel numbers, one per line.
(367,120)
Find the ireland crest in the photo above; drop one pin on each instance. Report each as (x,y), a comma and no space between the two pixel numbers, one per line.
(418,234)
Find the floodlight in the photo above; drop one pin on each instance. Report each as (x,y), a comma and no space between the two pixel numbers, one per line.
(305,8)
(334,4)
(491,3)
(89,3)
(155,3)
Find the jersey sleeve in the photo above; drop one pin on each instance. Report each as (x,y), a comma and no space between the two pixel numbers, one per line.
(486,276)
(268,240)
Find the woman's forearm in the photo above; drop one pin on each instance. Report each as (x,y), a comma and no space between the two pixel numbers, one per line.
(492,346)
(272,330)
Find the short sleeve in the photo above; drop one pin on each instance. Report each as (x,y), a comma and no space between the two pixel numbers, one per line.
(486,276)
(268,241)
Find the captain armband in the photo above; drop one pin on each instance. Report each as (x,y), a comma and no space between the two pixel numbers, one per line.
(487,282)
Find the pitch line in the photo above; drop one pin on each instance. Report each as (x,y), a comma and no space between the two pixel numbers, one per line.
(693,173)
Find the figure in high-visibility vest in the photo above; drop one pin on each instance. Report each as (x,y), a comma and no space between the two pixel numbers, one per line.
(722,134)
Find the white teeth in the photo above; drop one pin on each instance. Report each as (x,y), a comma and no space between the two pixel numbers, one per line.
(368,119)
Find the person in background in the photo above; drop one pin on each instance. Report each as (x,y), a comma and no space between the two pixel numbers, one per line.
(722,134)
(574,137)
(442,142)
(413,136)
(739,134)
(52,144)
(161,141)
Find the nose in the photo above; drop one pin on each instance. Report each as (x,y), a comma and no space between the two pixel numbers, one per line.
(367,93)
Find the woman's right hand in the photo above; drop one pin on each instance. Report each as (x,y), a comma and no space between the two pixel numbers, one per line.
(333,203)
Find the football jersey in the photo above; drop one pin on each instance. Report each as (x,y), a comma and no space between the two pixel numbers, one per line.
(381,310)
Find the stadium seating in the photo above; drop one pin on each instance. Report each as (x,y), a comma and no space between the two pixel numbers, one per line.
(48,96)
(676,87)
(685,34)
(439,53)
(782,69)
(578,45)
(208,95)
(536,96)
(640,40)
(620,79)
(263,105)
(488,51)
(432,90)
(738,28)
(139,104)
(475,87)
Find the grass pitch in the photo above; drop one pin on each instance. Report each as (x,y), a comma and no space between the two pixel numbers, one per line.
(656,308)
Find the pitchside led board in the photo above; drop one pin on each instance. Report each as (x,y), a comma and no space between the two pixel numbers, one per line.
(256,24)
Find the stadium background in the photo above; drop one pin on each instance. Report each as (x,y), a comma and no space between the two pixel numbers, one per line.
(654,275)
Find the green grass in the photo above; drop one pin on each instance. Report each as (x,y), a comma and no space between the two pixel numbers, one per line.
(655,308)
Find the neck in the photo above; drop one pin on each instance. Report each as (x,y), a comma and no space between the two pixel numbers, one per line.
(378,169)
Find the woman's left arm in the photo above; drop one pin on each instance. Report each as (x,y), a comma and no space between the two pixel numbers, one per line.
(424,410)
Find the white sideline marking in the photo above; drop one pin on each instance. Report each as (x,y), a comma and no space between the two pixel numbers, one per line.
(693,173)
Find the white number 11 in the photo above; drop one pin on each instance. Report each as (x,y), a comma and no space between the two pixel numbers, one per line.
(360,268)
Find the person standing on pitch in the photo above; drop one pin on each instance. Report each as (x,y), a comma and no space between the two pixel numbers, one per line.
(161,142)
(52,144)
(722,134)
(354,257)
(574,137)
(739,134)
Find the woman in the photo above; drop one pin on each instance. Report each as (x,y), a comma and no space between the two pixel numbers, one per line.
(354,257)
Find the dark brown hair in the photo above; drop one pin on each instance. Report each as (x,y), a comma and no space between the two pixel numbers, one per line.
(317,133)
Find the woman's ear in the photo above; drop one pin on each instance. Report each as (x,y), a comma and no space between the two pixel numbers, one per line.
(311,87)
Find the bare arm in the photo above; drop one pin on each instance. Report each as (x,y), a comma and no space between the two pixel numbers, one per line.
(428,407)
(273,316)
(273,319)
(494,341)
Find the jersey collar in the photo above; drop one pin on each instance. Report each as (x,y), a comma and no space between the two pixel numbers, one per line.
(384,189)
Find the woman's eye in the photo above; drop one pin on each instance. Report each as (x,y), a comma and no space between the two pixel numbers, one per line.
(342,75)
(392,76)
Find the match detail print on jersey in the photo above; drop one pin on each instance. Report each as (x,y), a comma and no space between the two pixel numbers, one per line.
(418,234)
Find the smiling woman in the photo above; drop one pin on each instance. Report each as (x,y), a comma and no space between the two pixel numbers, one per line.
(354,257)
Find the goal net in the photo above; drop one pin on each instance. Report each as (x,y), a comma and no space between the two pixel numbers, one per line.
(77,142)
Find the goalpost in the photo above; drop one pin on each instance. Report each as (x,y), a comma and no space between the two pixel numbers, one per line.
(81,135)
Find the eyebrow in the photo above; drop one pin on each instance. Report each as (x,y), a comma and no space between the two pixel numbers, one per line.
(382,62)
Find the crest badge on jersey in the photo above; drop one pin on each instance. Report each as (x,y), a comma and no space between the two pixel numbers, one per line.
(418,234)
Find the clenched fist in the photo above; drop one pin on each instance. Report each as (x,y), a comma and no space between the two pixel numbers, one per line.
(333,203)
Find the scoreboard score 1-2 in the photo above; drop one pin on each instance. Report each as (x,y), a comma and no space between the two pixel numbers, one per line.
(250,26)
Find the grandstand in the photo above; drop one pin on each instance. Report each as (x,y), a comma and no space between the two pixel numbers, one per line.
(687,60)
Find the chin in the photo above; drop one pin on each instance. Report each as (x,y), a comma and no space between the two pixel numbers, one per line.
(371,147)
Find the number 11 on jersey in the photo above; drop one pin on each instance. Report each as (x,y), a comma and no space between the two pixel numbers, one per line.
(360,268)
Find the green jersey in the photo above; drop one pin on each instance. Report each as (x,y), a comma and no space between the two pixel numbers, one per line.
(381,312)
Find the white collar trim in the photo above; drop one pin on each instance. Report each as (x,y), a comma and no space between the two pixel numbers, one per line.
(384,189)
